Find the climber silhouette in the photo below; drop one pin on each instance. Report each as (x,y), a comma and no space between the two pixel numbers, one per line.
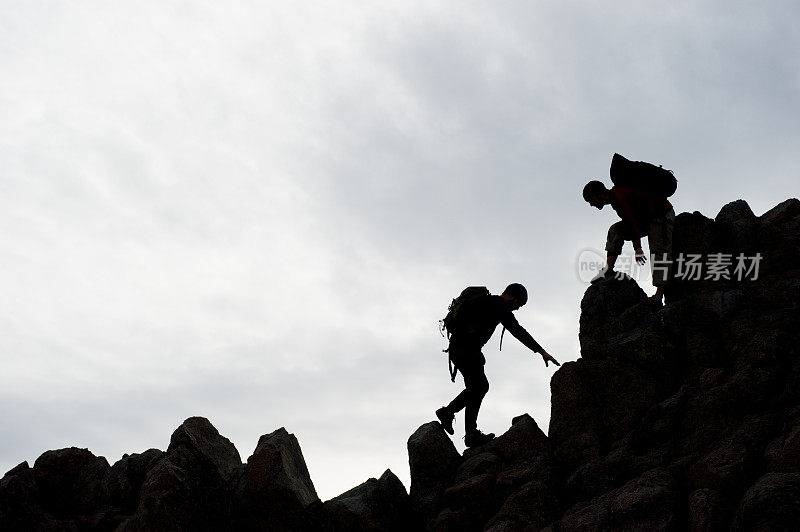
(471,323)
(639,197)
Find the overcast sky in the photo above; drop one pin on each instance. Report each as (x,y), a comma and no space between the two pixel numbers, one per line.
(257,212)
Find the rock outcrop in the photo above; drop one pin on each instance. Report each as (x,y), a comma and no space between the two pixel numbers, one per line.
(199,483)
(682,417)
(377,504)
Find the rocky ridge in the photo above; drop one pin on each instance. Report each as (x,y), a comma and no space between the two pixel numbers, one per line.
(685,417)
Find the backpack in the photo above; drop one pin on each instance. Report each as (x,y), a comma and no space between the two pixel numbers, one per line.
(641,175)
(450,322)
(453,321)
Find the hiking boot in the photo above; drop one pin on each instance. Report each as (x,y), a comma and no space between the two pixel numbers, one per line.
(476,438)
(446,419)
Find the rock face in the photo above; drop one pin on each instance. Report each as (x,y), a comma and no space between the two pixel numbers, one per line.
(199,483)
(275,490)
(377,504)
(186,488)
(683,417)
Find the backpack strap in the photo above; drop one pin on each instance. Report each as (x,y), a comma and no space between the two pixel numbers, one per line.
(452,367)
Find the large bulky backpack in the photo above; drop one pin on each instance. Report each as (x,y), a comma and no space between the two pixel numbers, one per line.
(642,175)
(450,323)
(454,320)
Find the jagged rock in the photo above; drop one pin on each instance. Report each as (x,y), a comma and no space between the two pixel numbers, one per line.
(709,511)
(773,503)
(717,425)
(376,505)
(517,462)
(786,212)
(433,461)
(783,453)
(575,417)
(20,509)
(187,488)
(523,441)
(650,502)
(727,468)
(629,361)
(595,403)
(277,464)
(452,521)
(196,440)
(531,507)
(69,481)
(275,489)
(693,234)
(478,463)
(736,229)
(693,239)
(708,314)
(602,305)
(474,498)
(777,236)
(120,487)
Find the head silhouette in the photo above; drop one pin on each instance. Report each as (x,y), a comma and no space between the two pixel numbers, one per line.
(596,194)
(593,188)
(516,294)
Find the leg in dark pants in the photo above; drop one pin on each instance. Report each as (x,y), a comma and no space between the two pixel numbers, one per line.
(476,387)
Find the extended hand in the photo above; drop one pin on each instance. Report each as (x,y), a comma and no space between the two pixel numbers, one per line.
(641,258)
(548,358)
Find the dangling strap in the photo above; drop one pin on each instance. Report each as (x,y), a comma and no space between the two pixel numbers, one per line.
(453,369)
(501,337)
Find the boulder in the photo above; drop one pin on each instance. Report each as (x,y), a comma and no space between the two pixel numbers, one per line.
(376,505)
(275,490)
(693,234)
(693,237)
(772,503)
(575,418)
(601,307)
(709,511)
(69,481)
(121,486)
(736,229)
(20,509)
(595,403)
(648,503)
(531,507)
(492,473)
(197,442)
(777,237)
(783,453)
(188,487)
(277,465)
(522,442)
(433,461)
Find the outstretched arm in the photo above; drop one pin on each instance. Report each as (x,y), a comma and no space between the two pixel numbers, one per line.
(518,331)
(548,358)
